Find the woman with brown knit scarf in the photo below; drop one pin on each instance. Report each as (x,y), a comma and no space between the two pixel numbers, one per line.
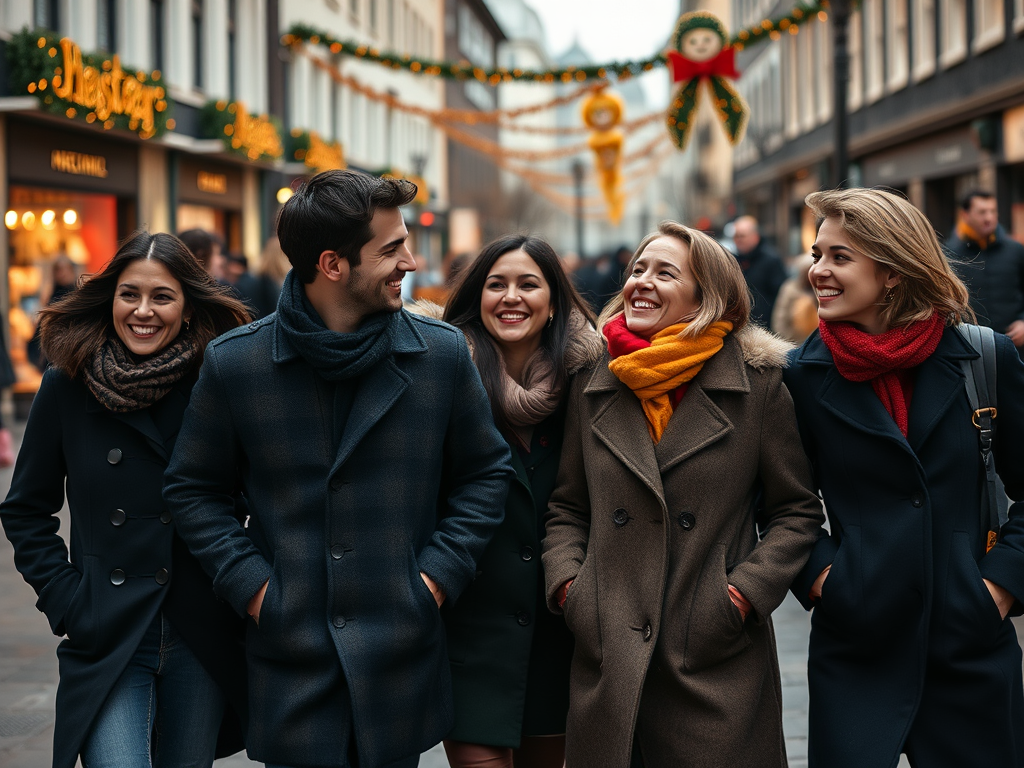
(683,510)
(151,666)
(530,333)
(911,647)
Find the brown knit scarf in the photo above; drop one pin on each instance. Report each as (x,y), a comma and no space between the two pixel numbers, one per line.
(122,385)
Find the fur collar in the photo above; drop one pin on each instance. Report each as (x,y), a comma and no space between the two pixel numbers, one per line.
(763,349)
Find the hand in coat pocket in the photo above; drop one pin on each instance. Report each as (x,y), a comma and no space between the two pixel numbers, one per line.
(1003,599)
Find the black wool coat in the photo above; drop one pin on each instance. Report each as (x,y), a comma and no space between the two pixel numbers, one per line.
(509,654)
(994,276)
(905,627)
(126,563)
(350,642)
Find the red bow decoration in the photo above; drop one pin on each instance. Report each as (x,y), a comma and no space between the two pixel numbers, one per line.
(721,65)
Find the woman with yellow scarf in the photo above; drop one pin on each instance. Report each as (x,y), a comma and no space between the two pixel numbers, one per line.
(683,511)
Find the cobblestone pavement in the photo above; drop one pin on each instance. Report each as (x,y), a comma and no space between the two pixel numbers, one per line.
(28,672)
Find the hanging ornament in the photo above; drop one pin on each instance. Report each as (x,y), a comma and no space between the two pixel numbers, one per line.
(602,112)
(702,54)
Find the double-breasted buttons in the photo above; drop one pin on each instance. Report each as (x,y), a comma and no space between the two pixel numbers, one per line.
(166,517)
(646,632)
(162,576)
(523,618)
(917,500)
(117,577)
(114,456)
(620,517)
(117,517)
(687,521)
(526,553)
(339,621)
(337,551)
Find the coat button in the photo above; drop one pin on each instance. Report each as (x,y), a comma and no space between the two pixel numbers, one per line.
(165,517)
(117,517)
(620,517)
(337,551)
(523,618)
(162,576)
(526,553)
(544,441)
(114,456)
(917,500)
(647,632)
(687,521)
(339,621)
(117,577)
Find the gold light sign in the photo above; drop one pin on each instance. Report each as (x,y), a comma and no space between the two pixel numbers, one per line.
(79,164)
(322,156)
(109,90)
(214,183)
(255,135)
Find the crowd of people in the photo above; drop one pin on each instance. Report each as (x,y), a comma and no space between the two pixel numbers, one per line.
(543,518)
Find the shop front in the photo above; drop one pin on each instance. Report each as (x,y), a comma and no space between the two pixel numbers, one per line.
(210,198)
(70,194)
(1012,173)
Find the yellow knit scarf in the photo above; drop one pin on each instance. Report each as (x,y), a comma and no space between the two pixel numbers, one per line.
(965,232)
(671,361)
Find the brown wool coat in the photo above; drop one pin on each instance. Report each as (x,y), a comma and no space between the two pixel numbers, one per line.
(652,535)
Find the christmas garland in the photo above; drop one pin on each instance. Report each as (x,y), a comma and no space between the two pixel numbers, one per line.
(769,28)
(87,86)
(255,137)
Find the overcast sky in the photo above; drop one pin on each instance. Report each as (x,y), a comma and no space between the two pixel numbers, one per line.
(611,30)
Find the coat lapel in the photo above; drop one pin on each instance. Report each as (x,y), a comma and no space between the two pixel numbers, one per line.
(939,383)
(142,421)
(697,422)
(621,425)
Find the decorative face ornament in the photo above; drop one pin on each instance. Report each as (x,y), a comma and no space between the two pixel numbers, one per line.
(700,44)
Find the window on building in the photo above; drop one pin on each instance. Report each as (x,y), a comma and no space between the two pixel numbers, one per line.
(232,49)
(953,22)
(898,43)
(106,25)
(353,10)
(474,41)
(198,43)
(391,24)
(156,33)
(855,92)
(335,111)
(924,38)
(989,24)
(823,70)
(1018,16)
(373,17)
(874,49)
(808,84)
(792,95)
(46,14)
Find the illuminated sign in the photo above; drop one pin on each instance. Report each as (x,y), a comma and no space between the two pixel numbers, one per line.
(214,183)
(322,156)
(79,164)
(254,135)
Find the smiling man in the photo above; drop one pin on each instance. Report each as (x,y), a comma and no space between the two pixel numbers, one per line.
(363,441)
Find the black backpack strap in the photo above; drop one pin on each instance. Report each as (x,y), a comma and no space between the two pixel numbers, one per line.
(980,382)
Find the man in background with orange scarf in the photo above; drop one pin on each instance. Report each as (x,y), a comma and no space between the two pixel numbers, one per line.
(992,265)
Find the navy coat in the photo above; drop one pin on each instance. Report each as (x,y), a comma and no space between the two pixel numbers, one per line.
(350,639)
(907,648)
(126,565)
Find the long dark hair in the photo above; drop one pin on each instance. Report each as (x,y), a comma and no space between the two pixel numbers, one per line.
(463,311)
(74,328)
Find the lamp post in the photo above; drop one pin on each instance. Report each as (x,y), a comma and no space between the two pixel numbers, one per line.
(577,175)
(840,88)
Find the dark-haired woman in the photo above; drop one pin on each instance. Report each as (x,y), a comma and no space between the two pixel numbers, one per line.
(530,332)
(150,657)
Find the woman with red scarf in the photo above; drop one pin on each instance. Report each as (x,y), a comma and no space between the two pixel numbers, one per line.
(911,650)
(683,511)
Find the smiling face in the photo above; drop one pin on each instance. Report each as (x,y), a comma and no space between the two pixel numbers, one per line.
(850,286)
(149,307)
(376,284)
(516,302)
(700,44)
(661,290)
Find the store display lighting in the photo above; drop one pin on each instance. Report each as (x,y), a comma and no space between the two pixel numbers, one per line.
(28,220)
(48,219)
(70,217)
(11,219)
(283,194)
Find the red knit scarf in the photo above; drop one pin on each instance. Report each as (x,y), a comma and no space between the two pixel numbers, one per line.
(885,359)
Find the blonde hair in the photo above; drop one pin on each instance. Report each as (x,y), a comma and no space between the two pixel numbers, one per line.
(721,289)
(889,230)
(273,262)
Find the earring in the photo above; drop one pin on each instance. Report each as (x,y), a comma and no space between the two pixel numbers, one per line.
(551,317)
(186,325)
(889,293)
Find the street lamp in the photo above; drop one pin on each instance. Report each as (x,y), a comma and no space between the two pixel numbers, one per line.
(840,86)
(577,175)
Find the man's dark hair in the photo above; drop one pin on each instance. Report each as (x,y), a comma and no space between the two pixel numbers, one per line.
(332,212)
(984,194)
(200,242)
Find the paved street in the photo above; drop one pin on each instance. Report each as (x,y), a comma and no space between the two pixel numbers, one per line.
(28,673)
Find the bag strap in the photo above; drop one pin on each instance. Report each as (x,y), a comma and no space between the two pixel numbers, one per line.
(980,382)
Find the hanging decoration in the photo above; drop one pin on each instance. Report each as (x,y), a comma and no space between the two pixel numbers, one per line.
(768,28)
(257,137)
(703,55)
(87,86)
(309,148)
(602,112)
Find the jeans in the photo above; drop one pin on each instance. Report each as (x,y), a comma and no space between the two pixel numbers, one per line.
(163,712)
